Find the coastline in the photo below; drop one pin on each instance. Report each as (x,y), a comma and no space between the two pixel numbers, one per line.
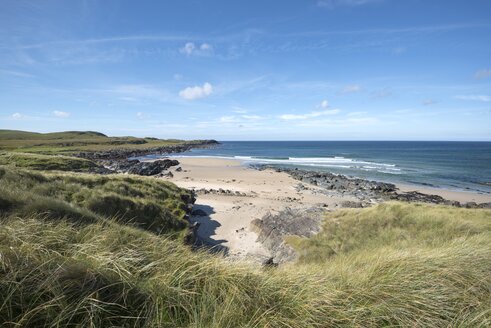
(230,196)
(462,196)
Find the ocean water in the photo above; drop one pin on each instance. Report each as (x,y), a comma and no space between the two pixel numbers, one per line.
(450,165)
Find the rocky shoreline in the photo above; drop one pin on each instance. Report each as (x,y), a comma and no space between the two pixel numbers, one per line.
(273,228)
(368,192)
(122,154)
(118,160)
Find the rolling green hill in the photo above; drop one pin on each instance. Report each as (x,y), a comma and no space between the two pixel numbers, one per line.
(76,141)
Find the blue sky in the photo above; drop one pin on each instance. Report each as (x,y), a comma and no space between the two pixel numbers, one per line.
(249,70)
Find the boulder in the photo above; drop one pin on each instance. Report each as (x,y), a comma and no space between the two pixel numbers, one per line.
(152,168)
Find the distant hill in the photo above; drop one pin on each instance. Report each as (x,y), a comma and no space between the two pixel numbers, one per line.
(76,141)
(25,135)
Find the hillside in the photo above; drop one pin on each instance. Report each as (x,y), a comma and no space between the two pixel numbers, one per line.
(74,142)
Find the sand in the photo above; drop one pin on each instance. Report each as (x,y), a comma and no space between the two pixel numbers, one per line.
(460,196)
(227,224)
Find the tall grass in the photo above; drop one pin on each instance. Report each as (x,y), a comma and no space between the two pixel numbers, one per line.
(147,203)
(70,256)
(54,274)
(415,266)
(46,162)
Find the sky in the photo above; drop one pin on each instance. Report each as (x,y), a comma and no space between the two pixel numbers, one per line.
(249,70)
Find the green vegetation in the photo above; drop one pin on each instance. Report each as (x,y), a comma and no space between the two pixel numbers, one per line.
(64,264)
(71,142)
(46,162)
(147,203)
(400,264)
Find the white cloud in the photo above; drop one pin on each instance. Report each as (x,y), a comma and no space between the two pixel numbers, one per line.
(474,98)
(240,118)
(134,92)
(140,115)
(239,110)
(324,104)
(288,117)
(191,93)
(482,74)
(228,119)
(206,47)
(352,88)
(356,113)
(252,117)
(61,114)
(177,77)
(17,116)
(190,48)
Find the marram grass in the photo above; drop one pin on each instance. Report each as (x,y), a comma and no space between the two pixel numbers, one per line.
(79,250)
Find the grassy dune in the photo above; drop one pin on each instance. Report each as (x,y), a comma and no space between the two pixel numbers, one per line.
(147,203)
(46,162)
(75,141)
(391,265)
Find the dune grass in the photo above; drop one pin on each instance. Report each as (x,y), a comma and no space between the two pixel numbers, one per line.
(396,225)
(158,206)
(72,142)
(46,162)
(399,264)
(391,265)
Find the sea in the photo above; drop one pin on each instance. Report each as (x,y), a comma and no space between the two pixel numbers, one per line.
(448,165)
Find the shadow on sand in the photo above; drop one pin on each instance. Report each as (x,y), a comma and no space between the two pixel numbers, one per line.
(207,230)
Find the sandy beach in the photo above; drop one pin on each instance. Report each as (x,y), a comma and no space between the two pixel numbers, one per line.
(232,195)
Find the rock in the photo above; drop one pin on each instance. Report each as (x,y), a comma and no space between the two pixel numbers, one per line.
(123,154)
(269,263)
(415,196)
(152,168)
(199,212)
(272,229)
(179,169)
(166,174)
(351,204)
(485,205)
(192,234)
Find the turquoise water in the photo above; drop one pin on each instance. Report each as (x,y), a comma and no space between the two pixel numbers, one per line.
(451,165)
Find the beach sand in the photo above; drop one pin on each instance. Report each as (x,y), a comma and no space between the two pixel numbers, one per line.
(229,216)
(227,225)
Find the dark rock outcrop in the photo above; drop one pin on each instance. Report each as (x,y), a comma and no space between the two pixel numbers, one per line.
(152,168)
(192,234)
(114,154)
(140,168)
(361,188)
(365,191)
(272,229)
